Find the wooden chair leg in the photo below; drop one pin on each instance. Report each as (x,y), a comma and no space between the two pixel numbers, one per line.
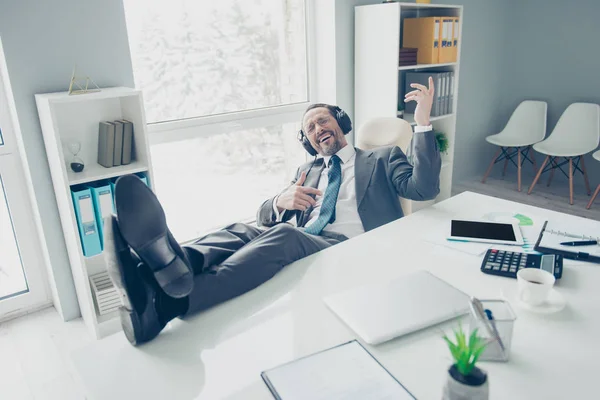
(532,158)
(593,197)
(585,177)
(537,176)
(571,180)
(505,163)
(491,165)
(554,164)
(519,169)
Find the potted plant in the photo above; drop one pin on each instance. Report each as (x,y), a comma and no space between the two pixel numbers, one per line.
(465,380)
(442,142)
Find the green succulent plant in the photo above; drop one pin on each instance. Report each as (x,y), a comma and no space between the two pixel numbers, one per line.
(465,353)
(442,142)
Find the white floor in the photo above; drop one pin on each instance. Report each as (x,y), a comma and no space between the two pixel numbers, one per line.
(34,357)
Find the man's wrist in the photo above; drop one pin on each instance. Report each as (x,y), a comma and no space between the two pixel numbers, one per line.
(423,128)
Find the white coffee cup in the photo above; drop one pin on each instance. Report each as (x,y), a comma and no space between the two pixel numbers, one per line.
(534,285)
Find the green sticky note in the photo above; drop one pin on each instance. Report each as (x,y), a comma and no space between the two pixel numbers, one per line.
(524,220)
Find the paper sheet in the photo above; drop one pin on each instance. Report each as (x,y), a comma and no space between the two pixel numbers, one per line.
(346,372)
(555,234)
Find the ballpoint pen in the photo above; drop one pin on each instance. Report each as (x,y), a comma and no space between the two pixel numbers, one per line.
(488,322)
(580,243)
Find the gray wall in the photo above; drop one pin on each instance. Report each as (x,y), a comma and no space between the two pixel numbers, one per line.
(482,70)
(344,51)
(42,41)
(554,57)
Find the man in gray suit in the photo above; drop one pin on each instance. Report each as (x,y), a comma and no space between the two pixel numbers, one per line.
(339,195)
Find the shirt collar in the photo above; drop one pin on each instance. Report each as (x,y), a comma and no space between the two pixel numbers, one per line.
(345,154)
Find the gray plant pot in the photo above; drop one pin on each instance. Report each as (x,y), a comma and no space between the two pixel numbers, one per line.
(459,389)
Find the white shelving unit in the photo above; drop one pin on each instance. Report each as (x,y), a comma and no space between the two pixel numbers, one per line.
(379,81)
(65,118)
(425,66)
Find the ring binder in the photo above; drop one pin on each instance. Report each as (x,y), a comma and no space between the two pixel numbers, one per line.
(549,243)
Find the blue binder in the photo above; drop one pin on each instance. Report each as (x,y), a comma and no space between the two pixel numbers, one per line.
(144,178)
(103,205)
(86,221)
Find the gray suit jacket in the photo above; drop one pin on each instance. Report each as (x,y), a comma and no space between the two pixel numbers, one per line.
(381,176)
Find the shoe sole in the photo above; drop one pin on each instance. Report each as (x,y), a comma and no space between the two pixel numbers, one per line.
(114,244)
(143,225)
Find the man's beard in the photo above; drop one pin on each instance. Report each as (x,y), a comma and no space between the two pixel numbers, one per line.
(331,149)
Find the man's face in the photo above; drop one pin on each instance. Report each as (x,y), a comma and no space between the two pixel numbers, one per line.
(323,131)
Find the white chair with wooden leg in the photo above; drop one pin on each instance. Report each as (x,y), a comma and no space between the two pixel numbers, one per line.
(576,134)
(526,126)
(596,155)
(386,131)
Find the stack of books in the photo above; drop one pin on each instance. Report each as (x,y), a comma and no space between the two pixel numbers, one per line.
(408,56)
(115,143)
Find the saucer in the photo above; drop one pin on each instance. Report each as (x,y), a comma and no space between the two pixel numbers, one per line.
(553,304)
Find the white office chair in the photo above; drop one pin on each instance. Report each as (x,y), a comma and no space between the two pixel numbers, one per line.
(577,133)
(596,155)
(526,126)
(378,132)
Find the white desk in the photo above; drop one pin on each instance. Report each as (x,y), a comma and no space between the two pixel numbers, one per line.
(219,354)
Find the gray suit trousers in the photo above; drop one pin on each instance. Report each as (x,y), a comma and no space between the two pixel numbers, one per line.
(240,257)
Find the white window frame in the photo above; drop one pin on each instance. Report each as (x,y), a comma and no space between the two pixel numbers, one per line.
(203,127)
(23,212)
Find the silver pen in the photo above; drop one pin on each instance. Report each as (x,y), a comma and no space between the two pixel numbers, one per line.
(490,325)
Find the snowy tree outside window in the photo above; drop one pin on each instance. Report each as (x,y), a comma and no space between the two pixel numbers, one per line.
(198,58)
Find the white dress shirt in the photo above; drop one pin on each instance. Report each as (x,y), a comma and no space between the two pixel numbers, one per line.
(347,220)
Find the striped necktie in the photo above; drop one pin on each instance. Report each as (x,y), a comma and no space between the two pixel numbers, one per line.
(327,211)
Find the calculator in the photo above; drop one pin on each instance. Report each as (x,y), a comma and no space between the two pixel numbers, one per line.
(508,263)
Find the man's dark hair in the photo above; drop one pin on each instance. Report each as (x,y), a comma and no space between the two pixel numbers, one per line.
(332,109)
(340,116)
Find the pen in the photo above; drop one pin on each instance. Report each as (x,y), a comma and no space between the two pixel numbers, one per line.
(490,316)
(484,317)
(580,243)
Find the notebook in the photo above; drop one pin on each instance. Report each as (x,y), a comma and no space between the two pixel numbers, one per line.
(552,235)
(380,312)
(347,371)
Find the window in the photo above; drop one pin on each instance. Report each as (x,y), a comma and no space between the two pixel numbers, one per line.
(208,182)
(225,85)
(197,58)
(12,276)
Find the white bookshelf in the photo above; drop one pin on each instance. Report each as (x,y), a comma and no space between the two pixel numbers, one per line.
(425,66)
(64,118)
(379,80)
(410,118)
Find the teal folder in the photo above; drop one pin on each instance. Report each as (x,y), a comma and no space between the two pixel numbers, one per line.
(112,188)
(103,205)
(86,221)
(144,178)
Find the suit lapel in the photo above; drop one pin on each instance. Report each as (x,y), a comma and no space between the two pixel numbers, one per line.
(312,180)
(314,174)
(363,170)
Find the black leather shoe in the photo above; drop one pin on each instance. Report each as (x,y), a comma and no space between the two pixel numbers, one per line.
(143,225)
(140,319)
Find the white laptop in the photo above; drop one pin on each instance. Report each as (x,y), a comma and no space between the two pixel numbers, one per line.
(378,313)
